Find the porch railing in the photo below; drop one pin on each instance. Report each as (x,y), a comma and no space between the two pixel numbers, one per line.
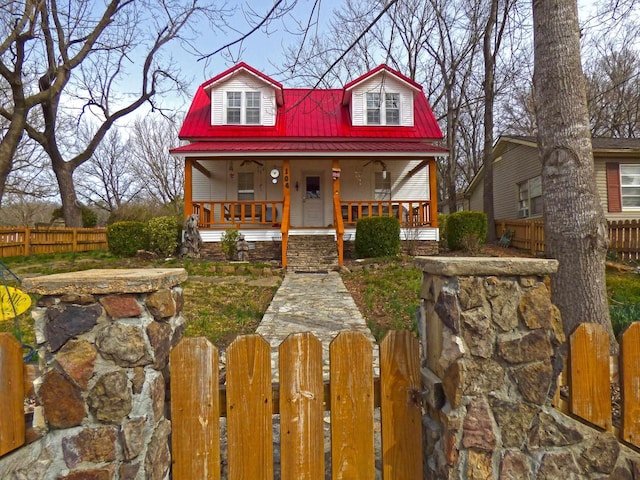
(221,214)
(410,213)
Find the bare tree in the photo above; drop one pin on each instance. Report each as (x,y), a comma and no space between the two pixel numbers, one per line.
(575,226)
(108,179)
(161,175)
(81,55)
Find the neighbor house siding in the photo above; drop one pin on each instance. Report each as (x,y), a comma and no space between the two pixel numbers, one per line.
(516,165)
(601,183)
(243,83)
(382,84)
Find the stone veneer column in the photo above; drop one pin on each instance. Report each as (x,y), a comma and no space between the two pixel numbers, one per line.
(104,338)
(491,339)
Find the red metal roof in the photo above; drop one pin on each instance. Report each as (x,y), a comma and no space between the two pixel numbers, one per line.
(262,146)
(307,115)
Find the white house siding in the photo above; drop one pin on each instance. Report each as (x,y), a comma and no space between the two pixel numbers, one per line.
(383,84)
(243,82)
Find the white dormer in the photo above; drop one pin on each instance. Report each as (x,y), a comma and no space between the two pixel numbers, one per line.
(244,96)
(382,97)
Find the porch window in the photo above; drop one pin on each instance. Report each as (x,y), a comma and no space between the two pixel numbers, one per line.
(373,108)
(392,108)
(253,108)
(234,107)
(530,198)
(382,186)
(245,186)
(630,186)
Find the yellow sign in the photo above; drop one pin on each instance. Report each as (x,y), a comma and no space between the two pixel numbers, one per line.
(13,302)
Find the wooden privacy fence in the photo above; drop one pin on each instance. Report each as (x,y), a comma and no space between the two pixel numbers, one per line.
(249,402)
(12,423)
(624,236)
(585,385)
(16,241)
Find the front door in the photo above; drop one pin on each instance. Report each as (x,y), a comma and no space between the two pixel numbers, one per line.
(313,210)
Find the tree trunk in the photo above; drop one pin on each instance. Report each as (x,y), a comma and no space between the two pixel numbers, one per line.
(575,225)
(71,211)
(489,96)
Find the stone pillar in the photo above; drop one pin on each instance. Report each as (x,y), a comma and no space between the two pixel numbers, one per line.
(103,339)
(491,340)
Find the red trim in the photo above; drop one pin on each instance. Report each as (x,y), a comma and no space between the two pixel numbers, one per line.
(614,197)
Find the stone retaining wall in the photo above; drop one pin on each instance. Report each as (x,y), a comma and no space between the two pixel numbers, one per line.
(492,339)
(103,339)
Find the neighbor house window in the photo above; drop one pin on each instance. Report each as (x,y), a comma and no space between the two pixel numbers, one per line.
(382,186)
(392,108)
(245,186)
(630,186)
(243,108)
(234,107)
(373,108)
(530,198)
(253,107)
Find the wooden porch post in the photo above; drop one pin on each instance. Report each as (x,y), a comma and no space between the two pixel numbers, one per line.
(286,210)
(433,193)
(188,187)
(338,216)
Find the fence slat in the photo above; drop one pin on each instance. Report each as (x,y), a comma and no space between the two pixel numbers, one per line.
(12,426)
(630,387)
(249,409)
(301,408)
(400,406)
(589,380)
(195,410)
(352,399)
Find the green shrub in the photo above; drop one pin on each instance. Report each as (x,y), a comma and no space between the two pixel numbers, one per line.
(442,225)
(466,230)
(126,238)
(229,242)
(163,233)
(377,237)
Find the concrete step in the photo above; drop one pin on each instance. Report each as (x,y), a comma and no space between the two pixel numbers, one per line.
(311,253)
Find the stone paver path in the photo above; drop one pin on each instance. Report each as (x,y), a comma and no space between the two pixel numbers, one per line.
(312,302)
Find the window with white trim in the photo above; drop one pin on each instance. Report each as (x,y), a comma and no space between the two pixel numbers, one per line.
(243,108)
(630,186)
(385,112)
(382,186)
(245,186)
(530,197)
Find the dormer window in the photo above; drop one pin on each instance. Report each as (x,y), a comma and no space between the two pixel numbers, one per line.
(379,113)
(243,108)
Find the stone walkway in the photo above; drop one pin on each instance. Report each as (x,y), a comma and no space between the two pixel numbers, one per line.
(312,302)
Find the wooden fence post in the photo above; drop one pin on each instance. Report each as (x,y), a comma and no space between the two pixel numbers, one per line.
(27,242)
(589,380)
(301,408)
(12,427)
(401,409)
(630,379)
(195,410)
(352,402)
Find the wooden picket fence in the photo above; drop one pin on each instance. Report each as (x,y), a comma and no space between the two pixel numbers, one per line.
(590,374)
(12,422)
(22,241)
(250,400)
(624,236)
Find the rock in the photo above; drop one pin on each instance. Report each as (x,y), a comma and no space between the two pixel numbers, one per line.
(479,466)
(110,399)
(601,454)
(62,402)
(156,392)
(515,466)
(504,298)
(78,358)
(66,321)
(123,344)
(531,347)
(160,339)
(129,471)
(78,299)
(482,376)
(546,432)
(447,309)
(161,304)
(90,445)
(477,429)
(534,381)
(514,420)
(471,292)
(535,307)
(478,334)
(133,437)
(121,306)
(137,382)
(104,473)
(158,458)
(555,466)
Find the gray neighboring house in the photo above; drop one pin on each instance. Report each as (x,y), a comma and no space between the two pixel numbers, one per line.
(518,187)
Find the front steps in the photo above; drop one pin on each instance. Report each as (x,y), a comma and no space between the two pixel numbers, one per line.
(312,253)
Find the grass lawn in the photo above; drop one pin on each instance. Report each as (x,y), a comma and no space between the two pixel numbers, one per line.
(221,305)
